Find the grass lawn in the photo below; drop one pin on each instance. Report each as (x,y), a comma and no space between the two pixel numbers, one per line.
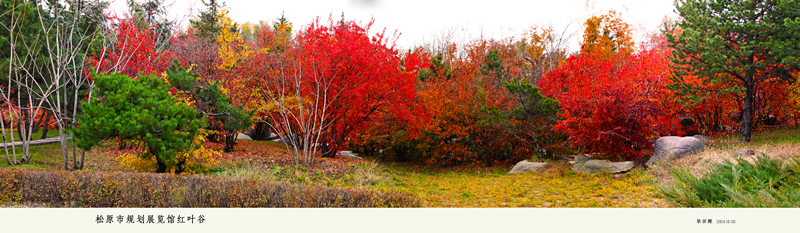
(34,136)
(42,154)
(460,186)
(48,156)
(557,186)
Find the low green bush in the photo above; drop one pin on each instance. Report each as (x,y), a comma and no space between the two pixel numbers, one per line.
(121,189)
(766,182)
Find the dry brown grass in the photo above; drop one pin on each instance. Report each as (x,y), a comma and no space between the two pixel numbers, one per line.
(60,188)
(776,143)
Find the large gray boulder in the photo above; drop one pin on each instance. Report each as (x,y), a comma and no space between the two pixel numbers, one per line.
(586,165)
(526,166)
(672,147)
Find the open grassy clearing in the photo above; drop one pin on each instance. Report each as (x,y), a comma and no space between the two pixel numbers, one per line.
(34,136)
(460,186)
(48,156)
(557,186)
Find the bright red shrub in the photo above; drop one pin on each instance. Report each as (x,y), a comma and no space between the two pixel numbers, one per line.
(134,51)
(612,105)
(364,77)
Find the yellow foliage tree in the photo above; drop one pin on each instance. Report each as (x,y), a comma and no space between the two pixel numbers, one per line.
(197,160)
(233,51)
(607,33)
(544,49)
(232,48)
(278,38)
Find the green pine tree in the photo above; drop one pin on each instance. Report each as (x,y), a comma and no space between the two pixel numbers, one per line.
(152,14)
(740,42)
(438,68)
(207,23)
(210,101)
(534,117)
(140,109)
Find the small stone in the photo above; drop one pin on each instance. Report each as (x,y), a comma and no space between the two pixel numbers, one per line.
(347,154)
(526,166)
(586,165)
(243,136)
(738,153)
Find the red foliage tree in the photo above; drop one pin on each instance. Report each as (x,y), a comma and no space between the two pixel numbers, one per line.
(360,78)
(612,104)
(133,51)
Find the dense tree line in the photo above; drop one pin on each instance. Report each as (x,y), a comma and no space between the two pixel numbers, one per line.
(334,84)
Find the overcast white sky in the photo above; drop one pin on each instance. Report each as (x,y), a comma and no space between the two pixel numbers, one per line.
(421,19)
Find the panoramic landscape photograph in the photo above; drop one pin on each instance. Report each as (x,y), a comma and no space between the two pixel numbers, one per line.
(398,104)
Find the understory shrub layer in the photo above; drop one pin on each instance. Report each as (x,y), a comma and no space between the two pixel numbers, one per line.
(123,189)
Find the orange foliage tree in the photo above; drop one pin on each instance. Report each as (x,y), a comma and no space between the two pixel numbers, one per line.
(607,34)
(544,49)
(460,92)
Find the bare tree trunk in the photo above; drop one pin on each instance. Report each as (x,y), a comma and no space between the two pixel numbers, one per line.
(10,121)
(121,144)
(161,167)
(5,145)
(83,155)
(64,152)
(75,164)
(21,126)
(35,122)
(46,125)
(230,141)
(24,122)
(300,124)
(747,114)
